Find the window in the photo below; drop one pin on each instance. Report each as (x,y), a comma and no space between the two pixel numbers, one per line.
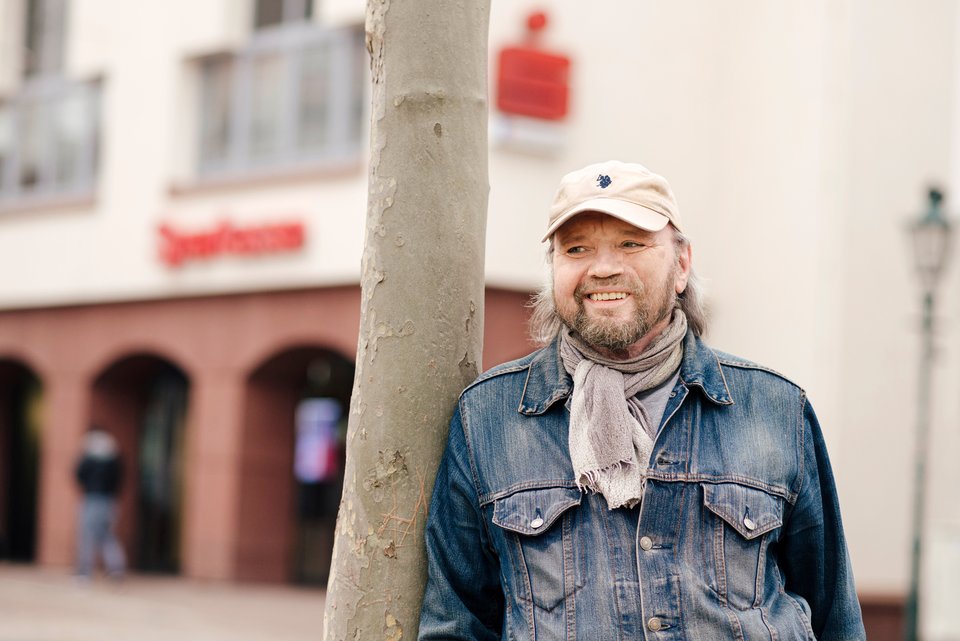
(48,141)
(268,13)
(49,126)
(293,96)
(43,37)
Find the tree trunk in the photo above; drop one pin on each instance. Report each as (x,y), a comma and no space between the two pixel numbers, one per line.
(421,325)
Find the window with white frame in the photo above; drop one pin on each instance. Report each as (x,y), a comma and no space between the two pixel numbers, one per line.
(292,97)
(49,127)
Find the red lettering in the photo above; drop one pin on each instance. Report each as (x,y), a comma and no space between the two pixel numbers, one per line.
(171,248)
(177,247)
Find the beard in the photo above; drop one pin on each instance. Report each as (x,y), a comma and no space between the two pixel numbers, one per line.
(614,334)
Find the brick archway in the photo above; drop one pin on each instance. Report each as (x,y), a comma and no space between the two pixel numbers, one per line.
(290,484)
(21,394)
(141,399)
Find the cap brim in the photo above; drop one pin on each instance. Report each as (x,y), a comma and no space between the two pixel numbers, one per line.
(632,213)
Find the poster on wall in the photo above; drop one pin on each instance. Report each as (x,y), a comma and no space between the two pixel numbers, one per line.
(316,457)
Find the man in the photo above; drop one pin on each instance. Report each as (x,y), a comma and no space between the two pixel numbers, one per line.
(99,473)
(626,481)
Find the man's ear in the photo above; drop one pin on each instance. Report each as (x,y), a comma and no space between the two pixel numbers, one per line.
(684,261)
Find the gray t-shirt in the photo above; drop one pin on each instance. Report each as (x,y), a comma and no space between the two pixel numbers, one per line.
(654,401)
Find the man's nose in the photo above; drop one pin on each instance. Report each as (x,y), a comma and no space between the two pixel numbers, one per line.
(606,263)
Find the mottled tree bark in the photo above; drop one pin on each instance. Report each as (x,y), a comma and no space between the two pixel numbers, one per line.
(421,325)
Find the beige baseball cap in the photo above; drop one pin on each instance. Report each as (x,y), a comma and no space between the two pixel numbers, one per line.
(627,191)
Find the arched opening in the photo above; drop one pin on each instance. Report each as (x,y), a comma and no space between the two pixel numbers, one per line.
(142,401)
(293,456)
(21,400)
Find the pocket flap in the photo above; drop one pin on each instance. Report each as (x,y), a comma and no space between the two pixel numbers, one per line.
(532,512)
(749,511)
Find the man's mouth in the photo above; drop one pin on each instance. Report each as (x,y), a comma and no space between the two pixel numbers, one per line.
(607,296)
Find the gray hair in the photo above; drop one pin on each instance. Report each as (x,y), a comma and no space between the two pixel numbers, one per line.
(545,323)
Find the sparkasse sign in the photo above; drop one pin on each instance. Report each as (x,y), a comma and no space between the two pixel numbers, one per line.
(227,238)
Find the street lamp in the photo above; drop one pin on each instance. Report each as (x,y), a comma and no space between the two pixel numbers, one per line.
(932,240)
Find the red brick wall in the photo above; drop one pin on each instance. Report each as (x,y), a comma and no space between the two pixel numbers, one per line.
(217,342)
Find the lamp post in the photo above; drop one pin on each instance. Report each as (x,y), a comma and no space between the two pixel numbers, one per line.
(931,236)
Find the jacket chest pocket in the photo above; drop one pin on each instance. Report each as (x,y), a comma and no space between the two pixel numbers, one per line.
(744,520)
(538,529)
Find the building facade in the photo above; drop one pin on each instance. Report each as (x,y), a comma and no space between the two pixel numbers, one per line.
(182,197)
(192,190)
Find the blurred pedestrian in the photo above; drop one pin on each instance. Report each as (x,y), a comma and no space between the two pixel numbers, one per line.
(100,474)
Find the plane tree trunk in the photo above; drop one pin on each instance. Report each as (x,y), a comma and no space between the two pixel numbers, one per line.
(421,325)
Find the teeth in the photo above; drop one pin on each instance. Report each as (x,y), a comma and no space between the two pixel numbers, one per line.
(608,296)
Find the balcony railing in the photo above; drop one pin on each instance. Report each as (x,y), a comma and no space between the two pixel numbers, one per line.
(293,97)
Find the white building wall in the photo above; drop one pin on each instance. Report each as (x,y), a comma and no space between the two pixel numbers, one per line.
(902,110)
(798,138)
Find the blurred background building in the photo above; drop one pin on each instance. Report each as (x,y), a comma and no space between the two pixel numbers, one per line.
(182,210)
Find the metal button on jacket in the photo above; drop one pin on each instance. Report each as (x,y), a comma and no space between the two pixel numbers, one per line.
(655,624)
(749,523)
(646,543)
(537,522)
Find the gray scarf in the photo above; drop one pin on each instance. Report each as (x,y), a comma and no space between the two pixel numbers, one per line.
(610,434)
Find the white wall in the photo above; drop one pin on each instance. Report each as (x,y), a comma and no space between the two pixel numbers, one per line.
(903,69)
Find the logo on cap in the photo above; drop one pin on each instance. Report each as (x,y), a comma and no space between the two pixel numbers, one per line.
(603,181)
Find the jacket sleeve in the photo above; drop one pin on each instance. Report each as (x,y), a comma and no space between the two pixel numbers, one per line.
(463,598)
(815,561)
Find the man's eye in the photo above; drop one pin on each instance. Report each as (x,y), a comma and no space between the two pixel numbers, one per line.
(576,250)
(632,244)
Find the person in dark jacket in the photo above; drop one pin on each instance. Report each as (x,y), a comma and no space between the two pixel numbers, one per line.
(100,474)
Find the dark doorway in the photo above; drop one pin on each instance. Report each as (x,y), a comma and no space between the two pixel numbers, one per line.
(293,461)
(142,401)
(20,404)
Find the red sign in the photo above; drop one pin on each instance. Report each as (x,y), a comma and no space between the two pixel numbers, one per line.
(177,246)
(533,82)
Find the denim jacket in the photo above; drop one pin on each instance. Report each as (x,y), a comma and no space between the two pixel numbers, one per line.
(738,535)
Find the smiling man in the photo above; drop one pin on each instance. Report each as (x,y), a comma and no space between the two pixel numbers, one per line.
(626,481)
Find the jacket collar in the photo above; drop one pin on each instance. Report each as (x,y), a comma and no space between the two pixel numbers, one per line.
(547,380)
(701,367)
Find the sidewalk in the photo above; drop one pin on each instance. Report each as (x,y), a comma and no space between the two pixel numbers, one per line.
(50,605)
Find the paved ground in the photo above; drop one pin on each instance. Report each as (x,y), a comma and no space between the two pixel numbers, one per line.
(49,605)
